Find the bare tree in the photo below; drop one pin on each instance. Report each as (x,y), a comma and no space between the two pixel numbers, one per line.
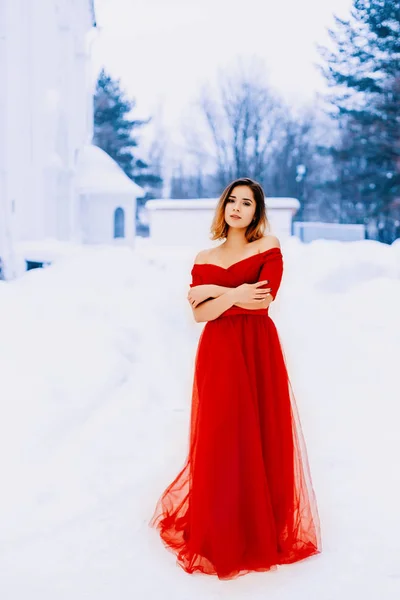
(242,119)
(245,129)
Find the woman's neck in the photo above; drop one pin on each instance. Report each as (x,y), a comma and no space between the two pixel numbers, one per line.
(235,240)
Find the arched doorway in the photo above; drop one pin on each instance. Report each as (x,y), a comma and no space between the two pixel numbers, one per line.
(119,223)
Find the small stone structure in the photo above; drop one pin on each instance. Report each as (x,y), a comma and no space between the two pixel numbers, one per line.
(106,199)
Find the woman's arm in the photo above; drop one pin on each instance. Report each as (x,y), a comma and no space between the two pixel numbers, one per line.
(212,309)
(271,272)
(246,293)
(206,292)
(210,290)
(263,304)
(218,290)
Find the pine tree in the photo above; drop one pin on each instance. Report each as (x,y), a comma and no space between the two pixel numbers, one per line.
(363,71)
(113,130)
(149,174)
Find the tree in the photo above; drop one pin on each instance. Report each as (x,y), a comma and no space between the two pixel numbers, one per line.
(363,72)
(241,124)
(247,130)
(149,173)
(113,130)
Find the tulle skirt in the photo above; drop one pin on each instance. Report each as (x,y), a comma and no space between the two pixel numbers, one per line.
(243,500)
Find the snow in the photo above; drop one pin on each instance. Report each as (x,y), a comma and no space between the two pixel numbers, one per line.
(96,358)
(98,173)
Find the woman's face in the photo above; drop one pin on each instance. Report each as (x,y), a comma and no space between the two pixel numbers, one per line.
(240,207)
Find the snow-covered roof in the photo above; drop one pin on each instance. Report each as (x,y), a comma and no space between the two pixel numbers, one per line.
(98,173)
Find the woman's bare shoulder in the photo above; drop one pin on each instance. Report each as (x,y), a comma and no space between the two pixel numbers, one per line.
(269,241)
(202,256)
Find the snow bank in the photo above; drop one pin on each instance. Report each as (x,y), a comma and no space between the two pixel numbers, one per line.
(96,356)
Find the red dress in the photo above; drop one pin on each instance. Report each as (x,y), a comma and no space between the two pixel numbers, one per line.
(244,499)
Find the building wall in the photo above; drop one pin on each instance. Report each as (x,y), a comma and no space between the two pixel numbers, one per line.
(97,213)
(45,115)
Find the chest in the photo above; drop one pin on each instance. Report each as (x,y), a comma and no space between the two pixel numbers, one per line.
(246,272)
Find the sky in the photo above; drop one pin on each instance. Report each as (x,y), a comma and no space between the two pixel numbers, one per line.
(164,51)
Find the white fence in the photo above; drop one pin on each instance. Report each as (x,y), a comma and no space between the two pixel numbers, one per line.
(309,231)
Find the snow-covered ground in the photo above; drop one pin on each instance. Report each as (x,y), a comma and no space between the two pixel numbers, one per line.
(96,358)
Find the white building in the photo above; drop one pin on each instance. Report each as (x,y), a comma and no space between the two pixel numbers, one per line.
(46,118)
(107,198)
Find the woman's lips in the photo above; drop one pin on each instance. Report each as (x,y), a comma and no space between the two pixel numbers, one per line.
(235,217)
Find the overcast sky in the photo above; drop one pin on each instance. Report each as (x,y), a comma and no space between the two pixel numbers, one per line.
(163,50)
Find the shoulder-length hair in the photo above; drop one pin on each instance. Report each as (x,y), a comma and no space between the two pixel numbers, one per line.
(257,228)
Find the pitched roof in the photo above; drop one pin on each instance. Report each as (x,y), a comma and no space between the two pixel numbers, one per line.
(98,173)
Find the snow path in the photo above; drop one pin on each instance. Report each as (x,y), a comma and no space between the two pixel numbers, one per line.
(96,359)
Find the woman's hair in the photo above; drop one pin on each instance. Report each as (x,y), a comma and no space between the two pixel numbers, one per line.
(256,229)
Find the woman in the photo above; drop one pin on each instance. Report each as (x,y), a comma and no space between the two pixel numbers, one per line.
(244,500)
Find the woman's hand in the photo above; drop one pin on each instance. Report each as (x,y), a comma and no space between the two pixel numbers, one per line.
(249,293)
(198,294)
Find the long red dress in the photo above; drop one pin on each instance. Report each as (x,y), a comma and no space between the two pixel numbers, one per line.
(244,499)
